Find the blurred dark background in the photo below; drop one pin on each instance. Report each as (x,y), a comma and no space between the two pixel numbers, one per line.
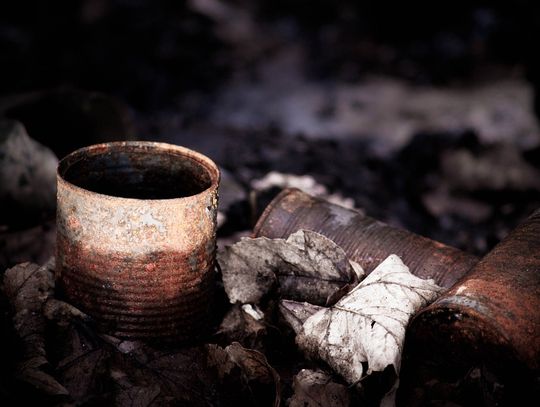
(422,112)
(148,52)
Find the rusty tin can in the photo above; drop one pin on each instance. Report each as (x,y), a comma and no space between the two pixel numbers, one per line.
(136,237)
(364,239)
(479,344)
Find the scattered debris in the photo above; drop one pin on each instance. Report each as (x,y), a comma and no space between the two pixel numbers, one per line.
(80,363)
(488,321)
(368,324)
(307,267)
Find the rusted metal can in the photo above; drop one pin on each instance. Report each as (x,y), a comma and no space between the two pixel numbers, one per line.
(364,239)
(479,344)
(136,237)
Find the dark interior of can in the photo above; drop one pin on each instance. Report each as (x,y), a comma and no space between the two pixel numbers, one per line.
(137,171)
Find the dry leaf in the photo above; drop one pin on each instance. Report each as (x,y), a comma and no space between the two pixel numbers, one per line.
(296,313)
(83,374)
(62,313)
(103,370)
(368,324)
(32,371)
(308,266)
(244,325)
(315,388)
(132,395)
(137,374)
(236,365)
(28,287)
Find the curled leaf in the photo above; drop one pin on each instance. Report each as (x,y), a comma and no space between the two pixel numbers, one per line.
(368,324)
(244,324)
(307,267)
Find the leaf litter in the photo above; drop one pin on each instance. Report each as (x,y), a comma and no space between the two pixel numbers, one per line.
(366,325)
(306,266)
(353,327)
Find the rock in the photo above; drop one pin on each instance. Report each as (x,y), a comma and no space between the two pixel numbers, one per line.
(27,177)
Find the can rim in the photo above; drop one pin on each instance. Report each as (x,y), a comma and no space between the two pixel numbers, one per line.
(66,162)
(271,206)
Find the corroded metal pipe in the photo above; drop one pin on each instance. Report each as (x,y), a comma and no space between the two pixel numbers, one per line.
(136,237)
(364,239)
(483,333)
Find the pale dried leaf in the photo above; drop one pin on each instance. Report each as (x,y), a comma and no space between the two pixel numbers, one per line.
(296,313)
(315,388)
(308,266)
(368,324)
(247,267)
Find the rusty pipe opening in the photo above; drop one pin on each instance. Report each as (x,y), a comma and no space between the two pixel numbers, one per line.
(365,240)
(136,237)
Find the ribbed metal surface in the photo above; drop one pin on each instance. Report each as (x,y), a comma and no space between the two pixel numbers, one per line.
(366,240)
(490,321)
(142,268)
